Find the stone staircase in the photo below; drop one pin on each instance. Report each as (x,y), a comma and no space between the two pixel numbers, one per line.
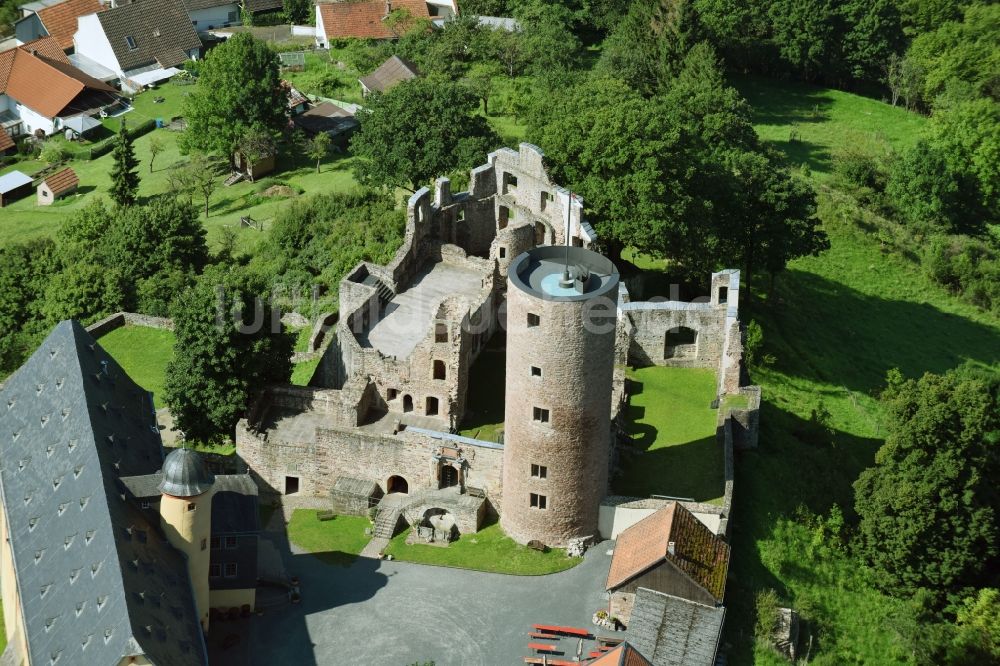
(386,521)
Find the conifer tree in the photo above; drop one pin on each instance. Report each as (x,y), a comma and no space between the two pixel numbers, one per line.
(124,173)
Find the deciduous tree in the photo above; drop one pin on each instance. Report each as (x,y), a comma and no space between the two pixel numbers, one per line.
(929,507)
(228,344)
(417,131)
(239,89)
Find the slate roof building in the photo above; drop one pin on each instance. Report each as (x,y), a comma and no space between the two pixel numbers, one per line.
(91,563)
(141,42)
(53,18)
(668,551)
(87,576)
(671,631)
(389,74)
(40,89)
(364,19)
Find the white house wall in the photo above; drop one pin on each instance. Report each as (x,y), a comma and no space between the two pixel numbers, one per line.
(445,8)
(33,121)
(215,17)
(320,30)
(91,41)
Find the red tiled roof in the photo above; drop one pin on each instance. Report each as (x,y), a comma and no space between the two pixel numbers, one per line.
(363,19)
(699,553)
(38,75)
(6,143)
(623,655)
(62,181)
(60,20)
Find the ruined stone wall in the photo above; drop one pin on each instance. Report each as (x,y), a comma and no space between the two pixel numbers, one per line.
(650,323)
(362,454)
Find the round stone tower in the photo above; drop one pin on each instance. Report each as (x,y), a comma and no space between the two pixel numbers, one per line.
(561,316)
(186,515)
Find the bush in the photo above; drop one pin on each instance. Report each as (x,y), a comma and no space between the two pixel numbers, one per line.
(766,613)
(859,167)
(966,266)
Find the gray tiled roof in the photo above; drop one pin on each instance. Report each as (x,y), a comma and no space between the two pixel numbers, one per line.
(161,30)
(185,474)
(254,6)
(389,74)
(670,631)
(97,580)
(234,505)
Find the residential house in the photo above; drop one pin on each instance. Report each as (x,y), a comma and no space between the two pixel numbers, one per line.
(40,90)
(58,185)
(668,551)
(670,631)
(141,43)
(53,18)
(209,14)
(364,19)
(389,74)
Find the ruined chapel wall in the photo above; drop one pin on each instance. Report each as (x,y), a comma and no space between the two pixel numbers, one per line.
(651,321)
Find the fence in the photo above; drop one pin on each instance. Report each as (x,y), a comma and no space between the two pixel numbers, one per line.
(105,147)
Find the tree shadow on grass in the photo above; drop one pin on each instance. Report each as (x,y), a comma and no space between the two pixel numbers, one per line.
(693,470)
(777,103)
(839,336)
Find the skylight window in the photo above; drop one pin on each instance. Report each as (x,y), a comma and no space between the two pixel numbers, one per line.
(130,40)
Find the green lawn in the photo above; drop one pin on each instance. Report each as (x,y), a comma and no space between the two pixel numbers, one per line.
(143,353)
(484,411)
(807,123)
(337,541)
(303,371)
(673,426)
(323,77)
(487,550)
(24,219)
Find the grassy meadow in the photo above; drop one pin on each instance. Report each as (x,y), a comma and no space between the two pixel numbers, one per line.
(835,325)
(143,353)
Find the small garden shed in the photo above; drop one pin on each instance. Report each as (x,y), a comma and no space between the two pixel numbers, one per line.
(13,186)
(58,185)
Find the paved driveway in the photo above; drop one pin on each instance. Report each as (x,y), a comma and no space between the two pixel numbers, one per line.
(395,613)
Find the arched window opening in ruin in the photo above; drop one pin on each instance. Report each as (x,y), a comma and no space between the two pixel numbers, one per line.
(391,394)
(397,484)
(449,476)
(540,238)
(509,183)
(439,370)
(440,332)
(504,217)
(407,403)
(681,342)
(432,407)
(546,197)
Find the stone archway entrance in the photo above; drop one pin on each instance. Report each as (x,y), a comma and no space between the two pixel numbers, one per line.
(449,476)
(407,403)
(397,484)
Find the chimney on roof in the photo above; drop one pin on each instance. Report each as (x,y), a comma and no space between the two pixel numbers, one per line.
(34,52)
(672,547)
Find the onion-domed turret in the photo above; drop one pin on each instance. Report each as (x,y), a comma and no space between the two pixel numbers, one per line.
(185,475)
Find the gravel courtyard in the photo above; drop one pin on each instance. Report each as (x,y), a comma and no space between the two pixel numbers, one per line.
(397,613)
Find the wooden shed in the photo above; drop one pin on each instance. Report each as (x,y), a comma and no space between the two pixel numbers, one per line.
(58,185)
(13,186)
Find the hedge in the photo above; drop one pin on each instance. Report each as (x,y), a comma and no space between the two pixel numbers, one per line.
(105,147)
